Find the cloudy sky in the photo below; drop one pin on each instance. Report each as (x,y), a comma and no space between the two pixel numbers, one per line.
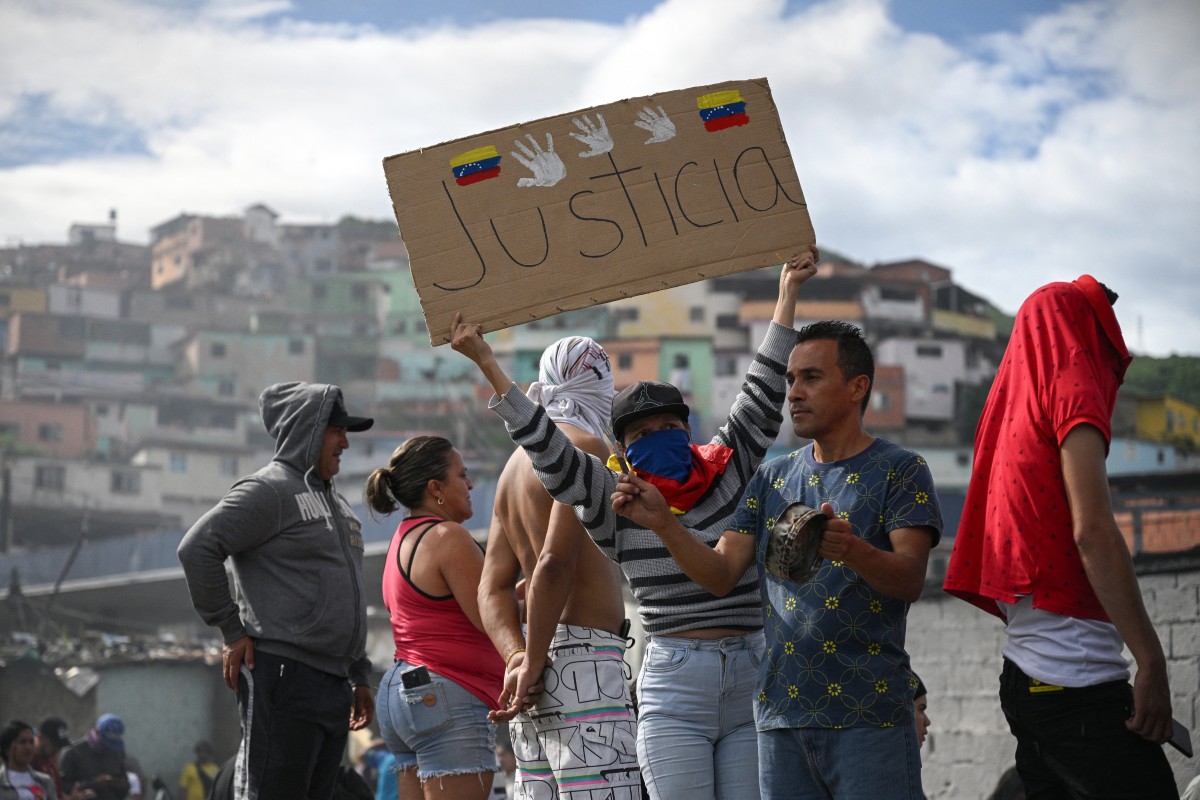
(1014,141)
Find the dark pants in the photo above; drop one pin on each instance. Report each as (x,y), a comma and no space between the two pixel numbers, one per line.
(1073,743)
(295,722)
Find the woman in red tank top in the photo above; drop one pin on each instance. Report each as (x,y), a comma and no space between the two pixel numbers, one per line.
(432,705)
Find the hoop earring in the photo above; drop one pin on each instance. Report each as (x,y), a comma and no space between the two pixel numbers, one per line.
(441,502)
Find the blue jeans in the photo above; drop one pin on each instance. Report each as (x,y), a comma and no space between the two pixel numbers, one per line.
(440,727)
(695,733)
(847,763)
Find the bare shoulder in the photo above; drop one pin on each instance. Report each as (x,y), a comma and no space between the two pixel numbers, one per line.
(448,533)
(587,442)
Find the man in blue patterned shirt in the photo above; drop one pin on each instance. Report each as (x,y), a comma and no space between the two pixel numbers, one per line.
(834,708)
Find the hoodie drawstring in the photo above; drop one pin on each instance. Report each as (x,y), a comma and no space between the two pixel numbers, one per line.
(319,501)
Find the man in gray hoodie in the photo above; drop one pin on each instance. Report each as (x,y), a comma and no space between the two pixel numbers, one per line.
(294,621)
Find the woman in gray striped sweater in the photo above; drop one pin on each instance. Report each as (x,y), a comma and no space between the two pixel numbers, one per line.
(696,735)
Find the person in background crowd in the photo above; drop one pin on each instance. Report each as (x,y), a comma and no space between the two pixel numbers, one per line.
(98,762)
(920,711)
(51,739)
(196,778)
(18,779)
(434,702)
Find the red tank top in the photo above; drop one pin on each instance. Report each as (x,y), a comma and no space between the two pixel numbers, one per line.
(434,631)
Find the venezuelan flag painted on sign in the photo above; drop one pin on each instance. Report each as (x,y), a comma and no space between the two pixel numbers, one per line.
(476,165)
(721,110)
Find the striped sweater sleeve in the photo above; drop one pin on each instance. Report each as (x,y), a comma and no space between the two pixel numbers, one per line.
(755,419)
(572,476)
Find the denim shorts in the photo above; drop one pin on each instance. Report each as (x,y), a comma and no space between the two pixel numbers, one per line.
(440,728)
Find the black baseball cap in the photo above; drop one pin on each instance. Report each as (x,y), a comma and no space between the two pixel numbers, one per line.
(338,418)
(645,399)
(55,731)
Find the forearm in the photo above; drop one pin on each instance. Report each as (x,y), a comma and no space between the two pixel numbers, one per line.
(785,310)
(897,575)
(705,565)
(545,597)
(495,375)
(1109,569)
(501,616)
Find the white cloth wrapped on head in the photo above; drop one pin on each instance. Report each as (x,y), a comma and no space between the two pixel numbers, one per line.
(575,385)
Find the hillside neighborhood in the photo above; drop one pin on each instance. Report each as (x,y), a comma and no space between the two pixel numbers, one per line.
(130,374)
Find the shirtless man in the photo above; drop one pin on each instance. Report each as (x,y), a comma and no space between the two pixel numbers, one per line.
(573,604)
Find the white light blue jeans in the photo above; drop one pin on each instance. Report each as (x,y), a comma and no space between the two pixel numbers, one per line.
(695,732)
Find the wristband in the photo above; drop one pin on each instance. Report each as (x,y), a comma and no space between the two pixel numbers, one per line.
(510,656)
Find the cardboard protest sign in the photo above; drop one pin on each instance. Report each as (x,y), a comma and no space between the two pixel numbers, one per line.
(613,201)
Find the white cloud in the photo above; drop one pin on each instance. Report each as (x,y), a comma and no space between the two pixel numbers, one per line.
(1070,146)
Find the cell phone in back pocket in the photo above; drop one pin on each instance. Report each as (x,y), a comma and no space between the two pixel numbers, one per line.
(414,677)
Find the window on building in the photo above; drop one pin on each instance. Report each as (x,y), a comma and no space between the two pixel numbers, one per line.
(102,410)
(880,401)
(727,322)
(320,291)
(178,462)
(929,351)
(50,477)
(1170,421)
(10,430)
(420,326)
(227,465)
(726,366)
(681,361)
(53,365)
(626,314)
(296,347)
(179,301)
(49,432)
(696,314)
(941,388)
(400,326)
(625,361)
(217,349)
(359,292)
(226,388)
(5,300)
(126,481)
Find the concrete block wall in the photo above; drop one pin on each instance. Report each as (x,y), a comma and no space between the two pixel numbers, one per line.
(955,648)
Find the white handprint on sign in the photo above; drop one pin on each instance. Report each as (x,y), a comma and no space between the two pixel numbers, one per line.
(597,138)
(547,168)
(657,124)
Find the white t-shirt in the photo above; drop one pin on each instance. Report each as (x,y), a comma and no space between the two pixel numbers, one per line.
(27,788)
(1062,650)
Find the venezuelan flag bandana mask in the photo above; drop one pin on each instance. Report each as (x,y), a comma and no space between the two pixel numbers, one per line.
(680,470)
